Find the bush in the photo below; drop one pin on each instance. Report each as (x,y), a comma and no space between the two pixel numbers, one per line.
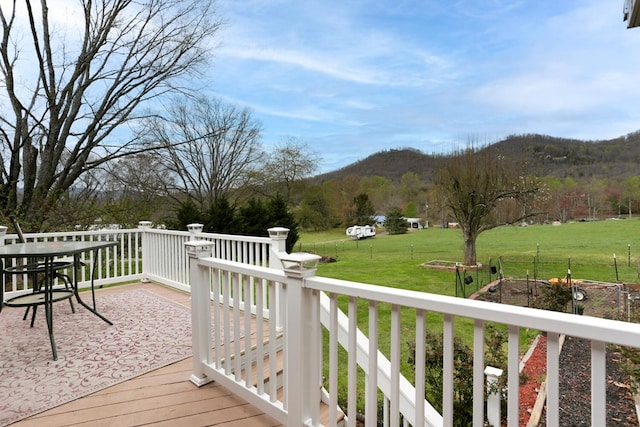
(252,219)
(394,222)
(495,340)
(554,298)
(186,213)
(462,376)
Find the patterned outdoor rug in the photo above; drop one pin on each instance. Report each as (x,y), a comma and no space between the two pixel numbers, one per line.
(148,332)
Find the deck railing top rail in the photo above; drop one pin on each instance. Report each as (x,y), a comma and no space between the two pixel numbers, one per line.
(588,327)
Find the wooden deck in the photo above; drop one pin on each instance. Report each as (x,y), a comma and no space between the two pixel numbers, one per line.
(164,397)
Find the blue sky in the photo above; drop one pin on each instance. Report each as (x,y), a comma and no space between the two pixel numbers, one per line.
(352,78)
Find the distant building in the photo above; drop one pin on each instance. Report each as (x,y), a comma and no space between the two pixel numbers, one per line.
(379,220)
(414,223)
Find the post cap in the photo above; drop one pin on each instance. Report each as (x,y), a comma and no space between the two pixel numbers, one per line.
(195,228)
(278,233)
(300,264)
(198,248)
(490,371)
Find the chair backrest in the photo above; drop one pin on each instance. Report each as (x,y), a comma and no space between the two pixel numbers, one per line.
(16,225)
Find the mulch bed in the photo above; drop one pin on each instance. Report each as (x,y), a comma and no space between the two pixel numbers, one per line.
(575,388)
(534,370)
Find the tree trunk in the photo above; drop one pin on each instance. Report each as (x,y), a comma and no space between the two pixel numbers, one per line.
(469,248)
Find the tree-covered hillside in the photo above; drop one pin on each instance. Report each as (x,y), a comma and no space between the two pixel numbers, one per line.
(580,180)
(544,155)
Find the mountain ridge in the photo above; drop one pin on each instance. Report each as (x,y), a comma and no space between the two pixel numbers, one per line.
(544,155)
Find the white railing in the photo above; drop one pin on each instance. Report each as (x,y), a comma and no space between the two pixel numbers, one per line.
(165,260)
(143,253)
(236,365)
(303,306)
(116,264)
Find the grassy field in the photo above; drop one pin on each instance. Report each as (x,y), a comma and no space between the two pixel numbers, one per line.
(588,248)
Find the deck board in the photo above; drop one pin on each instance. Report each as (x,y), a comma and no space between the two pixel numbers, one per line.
(164,397)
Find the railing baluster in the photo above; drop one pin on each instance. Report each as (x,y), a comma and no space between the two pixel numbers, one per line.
(316,361)
(395,367)
(513,408)
(598,383)
(126,249)
(553,378)
(236,279)
(109,254)
(371,395)
(478,373)
(333,361)
(420,360)
(273,349)
(217,347)
(447,371)
(250,297)
(226,278)
(265,304)
(138,252)
(385,411)
(248,353)
(352,361)
(260,338)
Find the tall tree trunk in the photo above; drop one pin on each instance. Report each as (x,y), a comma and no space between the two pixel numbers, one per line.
(469,247)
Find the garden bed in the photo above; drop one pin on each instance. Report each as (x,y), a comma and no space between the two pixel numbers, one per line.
(437,264)
(575,360)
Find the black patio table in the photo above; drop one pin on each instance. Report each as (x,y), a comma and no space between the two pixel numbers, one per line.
(47,252)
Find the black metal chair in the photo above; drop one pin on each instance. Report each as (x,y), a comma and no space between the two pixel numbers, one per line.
(33,268)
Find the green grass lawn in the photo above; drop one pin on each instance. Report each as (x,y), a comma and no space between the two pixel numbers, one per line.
(588,248)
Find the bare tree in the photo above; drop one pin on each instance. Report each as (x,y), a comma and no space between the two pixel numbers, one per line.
(70,87)
(473,183)
(135,188)
(210,148)
(290,161)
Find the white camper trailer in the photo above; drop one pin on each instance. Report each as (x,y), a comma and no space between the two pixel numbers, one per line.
(358,232)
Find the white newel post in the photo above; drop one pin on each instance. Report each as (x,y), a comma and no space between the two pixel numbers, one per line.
(278,236)
(493,395)
(278,248)
(146,251)
(3,233)
(200,310)
(302,340)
